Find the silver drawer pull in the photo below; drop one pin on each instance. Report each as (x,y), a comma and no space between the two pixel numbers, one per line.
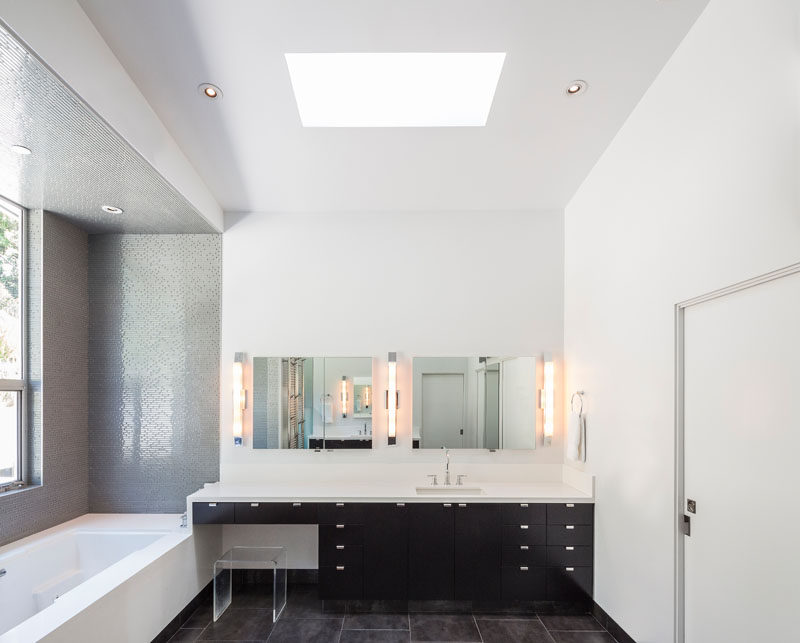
(339,526)
(401,504)
(570,505)
(340,504)
(523,504)
(462,504)
(570,569)
(570,526)
(523,526)
(212,504)
(340,547)
(523,569)
(523,547)
(339,568)
(447,504)
(570,548)
(297,504)
(254,504)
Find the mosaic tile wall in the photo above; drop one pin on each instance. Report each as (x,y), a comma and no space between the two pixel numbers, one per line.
(56,270)
(154,333)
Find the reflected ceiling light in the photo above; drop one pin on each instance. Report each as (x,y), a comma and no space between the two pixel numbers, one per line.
(239,398)
(576,87)
(209,91)
(344,396)
(21,150)
(111,209)
(394,89)
(392,399)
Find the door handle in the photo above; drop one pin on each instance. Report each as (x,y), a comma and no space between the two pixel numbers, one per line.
(686,525)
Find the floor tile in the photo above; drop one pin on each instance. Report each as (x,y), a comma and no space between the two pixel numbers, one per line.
(440,607)
(308,630)
(584,622)
(378,607)
(253,596)
(186,636)
(240,625)
(444,627)
(582,637)
(375,636)
(376,622)
(200,617)
(304,602)
(518,630)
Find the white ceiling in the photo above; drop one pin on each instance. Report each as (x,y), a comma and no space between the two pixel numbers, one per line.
(251,150)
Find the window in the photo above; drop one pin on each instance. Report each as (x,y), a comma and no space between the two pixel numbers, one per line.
(12,383)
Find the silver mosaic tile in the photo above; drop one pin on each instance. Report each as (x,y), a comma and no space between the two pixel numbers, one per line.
(79,163)
(154,341)
(57,320)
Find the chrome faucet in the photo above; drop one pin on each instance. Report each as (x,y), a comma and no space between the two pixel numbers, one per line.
(447,467)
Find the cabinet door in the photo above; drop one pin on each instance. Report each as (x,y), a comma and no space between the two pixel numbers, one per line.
(386,552)
(478,552)
(430,551)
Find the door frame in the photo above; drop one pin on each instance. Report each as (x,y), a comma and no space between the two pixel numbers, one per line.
(678,510)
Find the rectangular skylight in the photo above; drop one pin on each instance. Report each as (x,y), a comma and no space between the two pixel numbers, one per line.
(394,89)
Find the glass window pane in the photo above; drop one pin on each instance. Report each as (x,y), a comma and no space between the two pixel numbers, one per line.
(10,293)
(9,434)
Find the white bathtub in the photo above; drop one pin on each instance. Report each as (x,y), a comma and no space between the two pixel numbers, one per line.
(55,575)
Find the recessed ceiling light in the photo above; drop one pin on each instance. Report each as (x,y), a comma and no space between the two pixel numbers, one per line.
(111,209)
(209,91)
(21,149)
(576,87)
(394,89)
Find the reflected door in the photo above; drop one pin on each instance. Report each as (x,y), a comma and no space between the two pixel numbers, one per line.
(442,410)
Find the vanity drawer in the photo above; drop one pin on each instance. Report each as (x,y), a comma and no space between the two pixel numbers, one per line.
(569,556)
(524,583)
(569,583)
(569,534)
(524,513)
(276,513)
(333,555)
(212,513)
(345,582)
(523,535)
(570,514)
(336,513)
(525,555)
(340,534)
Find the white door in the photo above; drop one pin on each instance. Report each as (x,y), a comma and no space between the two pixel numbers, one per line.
(442,410)
(741,426)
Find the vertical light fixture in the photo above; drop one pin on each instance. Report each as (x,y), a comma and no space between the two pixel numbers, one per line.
(392,399)
(366,396)
(344,396)
(239,397)
(547,399)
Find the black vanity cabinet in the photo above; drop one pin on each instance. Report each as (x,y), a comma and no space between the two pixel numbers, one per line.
(386,552)
(341,550)
(570,551)
(524,551)
(430,551)
(478,548)
(212,513)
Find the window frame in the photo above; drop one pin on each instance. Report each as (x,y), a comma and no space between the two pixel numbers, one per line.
(19,386)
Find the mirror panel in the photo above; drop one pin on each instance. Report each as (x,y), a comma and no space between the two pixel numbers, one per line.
(474,402)
(312,402)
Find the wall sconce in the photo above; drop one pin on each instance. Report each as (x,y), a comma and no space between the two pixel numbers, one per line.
(239,397)
(344,396)
(394,396)
(547,399)
(367,393)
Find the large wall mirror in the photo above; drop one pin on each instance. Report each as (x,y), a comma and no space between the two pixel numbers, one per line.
(312,402)
(474,402)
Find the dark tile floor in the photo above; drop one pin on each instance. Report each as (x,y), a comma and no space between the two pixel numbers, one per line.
(305,620)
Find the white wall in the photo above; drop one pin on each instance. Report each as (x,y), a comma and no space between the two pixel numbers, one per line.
(697,191)
(433,284)
(61,34)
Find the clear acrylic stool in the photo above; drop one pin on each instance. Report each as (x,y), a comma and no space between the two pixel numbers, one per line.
(273,558)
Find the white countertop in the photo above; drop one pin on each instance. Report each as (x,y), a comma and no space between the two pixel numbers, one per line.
(532,492)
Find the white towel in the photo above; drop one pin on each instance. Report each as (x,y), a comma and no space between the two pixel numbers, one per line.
(576,437)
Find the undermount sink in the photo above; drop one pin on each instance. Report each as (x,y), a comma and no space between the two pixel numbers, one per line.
(449,490)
